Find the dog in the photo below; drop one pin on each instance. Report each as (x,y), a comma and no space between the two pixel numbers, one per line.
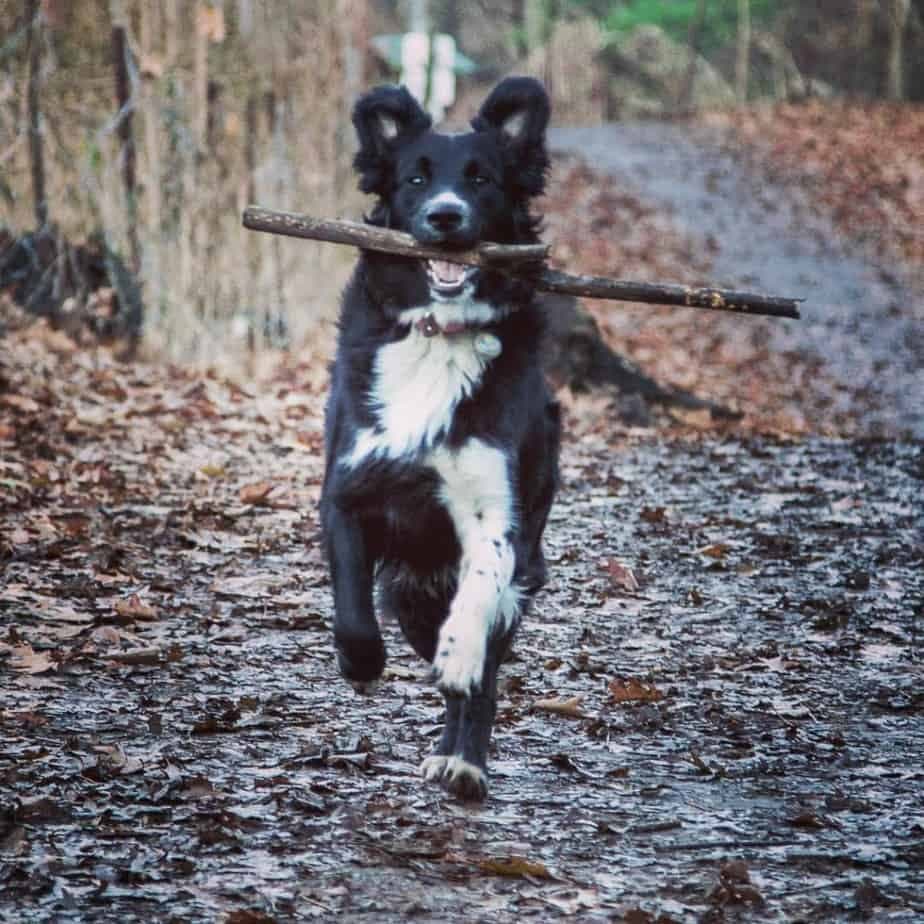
(441,436)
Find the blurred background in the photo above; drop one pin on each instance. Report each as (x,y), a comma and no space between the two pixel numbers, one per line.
(133,133)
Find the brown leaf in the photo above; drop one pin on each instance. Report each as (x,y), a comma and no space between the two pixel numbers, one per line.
(621,576)
(138,656)
(735,871)
(714,550)
(28,661)
(514,866)
(255,494)
(567,707)
(21,403)
(135,608)
(653,514)
(806,819)
(632,690)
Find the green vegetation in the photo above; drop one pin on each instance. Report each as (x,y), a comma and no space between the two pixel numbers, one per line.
(675,16)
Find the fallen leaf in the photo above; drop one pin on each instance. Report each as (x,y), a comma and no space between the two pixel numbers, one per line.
(632,690)
(653,514)
(714,550)
(26,660)
(621,576)
(21,403)
(134,607)
(567,707)
(137,656)
(514,866)
(255,494)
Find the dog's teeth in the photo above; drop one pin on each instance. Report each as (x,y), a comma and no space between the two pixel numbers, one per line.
(446,272)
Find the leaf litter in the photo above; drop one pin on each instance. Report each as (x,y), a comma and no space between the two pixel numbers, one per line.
(715,715)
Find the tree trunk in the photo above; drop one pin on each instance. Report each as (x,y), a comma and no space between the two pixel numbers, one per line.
(743,57)
(685,97)
(120,52)
(36,147)
(897,17)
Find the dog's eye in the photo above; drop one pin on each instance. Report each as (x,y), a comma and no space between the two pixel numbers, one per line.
(417,181)
(480,180)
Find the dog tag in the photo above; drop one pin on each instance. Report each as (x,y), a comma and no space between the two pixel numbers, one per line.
(428,326)
(488,345)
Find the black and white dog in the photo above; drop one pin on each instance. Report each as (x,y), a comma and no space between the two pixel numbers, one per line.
(441,435)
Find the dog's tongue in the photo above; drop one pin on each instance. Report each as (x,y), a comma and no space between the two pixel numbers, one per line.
(446,271)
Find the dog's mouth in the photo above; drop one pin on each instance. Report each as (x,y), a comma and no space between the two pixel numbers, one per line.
(448,279)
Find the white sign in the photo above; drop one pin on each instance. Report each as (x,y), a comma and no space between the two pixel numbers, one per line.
(415,62)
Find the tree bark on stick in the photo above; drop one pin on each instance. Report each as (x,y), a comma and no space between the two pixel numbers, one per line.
(501,256)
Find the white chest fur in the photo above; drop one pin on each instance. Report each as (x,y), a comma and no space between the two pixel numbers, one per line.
(417,385)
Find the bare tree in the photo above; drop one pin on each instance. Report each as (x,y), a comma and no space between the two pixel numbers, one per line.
(694,35)
(125,120)
(743,57)
(36,149)
(896,12)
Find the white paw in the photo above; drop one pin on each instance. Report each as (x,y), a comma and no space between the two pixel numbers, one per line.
(459,660)
(460,777)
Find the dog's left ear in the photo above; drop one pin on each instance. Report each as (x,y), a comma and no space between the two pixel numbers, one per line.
(518,110)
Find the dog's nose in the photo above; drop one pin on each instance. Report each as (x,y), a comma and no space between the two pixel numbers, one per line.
(445,217)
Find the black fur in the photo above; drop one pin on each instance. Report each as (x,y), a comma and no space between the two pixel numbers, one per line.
(383,517)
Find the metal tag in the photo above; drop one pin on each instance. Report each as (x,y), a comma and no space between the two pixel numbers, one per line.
(428,326)
(488,345)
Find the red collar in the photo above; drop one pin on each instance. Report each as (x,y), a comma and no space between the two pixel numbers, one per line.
(430,327)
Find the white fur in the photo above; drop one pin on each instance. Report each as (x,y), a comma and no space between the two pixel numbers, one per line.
(417,384)
(454,771)
(476,492)
(388,126)
(459,310)
(514,124)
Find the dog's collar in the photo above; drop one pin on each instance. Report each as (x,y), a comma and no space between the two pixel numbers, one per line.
(487,344)
(430,327)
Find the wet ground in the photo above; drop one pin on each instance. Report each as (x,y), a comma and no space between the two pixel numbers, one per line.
(864,325)
(715,712)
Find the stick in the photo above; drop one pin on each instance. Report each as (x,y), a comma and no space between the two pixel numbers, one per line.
(369,237)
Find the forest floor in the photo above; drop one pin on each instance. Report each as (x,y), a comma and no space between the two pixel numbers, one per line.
(714,713)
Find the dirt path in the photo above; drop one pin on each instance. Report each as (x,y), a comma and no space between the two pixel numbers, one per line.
(867,329)
(744,717)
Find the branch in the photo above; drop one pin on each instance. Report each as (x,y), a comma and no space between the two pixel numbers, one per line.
(370,237)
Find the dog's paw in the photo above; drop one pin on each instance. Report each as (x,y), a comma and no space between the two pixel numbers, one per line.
(458,665)
(463,779)
(361,660)
(365,687)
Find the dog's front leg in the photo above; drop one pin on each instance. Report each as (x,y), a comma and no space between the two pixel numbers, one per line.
(483,614)
(360,650)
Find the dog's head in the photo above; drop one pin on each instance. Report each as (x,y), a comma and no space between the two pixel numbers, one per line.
(453,191)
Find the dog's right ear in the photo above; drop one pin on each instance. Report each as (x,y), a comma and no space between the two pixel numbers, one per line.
(382,118)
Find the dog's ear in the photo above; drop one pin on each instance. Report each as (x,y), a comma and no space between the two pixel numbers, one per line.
(517,109)
(382,118)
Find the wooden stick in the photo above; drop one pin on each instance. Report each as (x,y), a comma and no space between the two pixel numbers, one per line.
(370,237)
